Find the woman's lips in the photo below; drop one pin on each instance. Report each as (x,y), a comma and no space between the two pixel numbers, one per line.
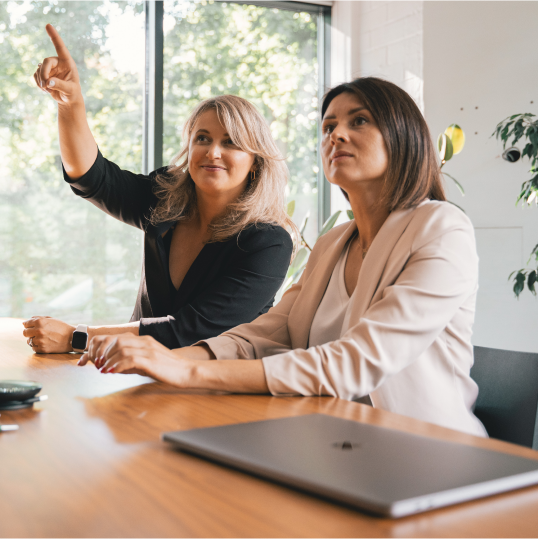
(341,157)
(210,168)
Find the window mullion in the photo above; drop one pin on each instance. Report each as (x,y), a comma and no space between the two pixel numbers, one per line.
(153,86)
(324,77)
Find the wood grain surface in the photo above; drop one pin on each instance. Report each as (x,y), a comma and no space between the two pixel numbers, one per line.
(89,462)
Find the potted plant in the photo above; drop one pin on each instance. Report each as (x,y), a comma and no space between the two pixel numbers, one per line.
(517,127)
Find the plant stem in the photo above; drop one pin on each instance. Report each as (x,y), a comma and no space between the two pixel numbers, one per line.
(303,241)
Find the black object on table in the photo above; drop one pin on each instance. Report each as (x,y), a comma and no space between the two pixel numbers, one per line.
(17,394)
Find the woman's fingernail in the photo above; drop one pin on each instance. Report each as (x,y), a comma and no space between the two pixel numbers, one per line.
(111,370)
(52,83)
(78,362)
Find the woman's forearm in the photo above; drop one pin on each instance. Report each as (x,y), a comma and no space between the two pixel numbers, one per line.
(77,145)
(200,351)
(144,355)
(131,327)
(236,376)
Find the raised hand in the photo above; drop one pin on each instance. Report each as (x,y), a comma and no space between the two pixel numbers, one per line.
(58,75)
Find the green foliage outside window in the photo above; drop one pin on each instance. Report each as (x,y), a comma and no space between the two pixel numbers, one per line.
(51,241)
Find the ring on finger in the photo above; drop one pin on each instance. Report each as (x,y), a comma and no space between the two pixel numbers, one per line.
(31,342)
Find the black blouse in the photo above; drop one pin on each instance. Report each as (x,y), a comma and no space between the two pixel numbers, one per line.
(229,283)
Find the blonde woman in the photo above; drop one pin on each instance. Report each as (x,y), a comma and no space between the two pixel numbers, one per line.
(216,245)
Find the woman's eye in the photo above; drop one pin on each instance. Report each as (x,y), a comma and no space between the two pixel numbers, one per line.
(201,138)
(359,120)
(327,128)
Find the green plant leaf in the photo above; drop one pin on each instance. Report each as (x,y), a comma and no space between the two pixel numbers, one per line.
(457,136)
(304,223)
(519,282)
(528,150)
(329,223)
(350,215)
(292,278)
(531,281)
(458,184)
(534,252)
(290,209)
(518,131)
(444,145)
(298,261)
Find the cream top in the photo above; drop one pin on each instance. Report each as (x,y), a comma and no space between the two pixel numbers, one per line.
(328,324)
(329,318)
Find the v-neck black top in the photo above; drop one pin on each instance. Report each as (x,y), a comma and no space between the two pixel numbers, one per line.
(229,283)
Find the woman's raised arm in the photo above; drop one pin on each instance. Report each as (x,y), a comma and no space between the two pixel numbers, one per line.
(58,76)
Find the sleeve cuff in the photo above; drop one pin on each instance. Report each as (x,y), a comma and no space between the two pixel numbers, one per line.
(160,329)
(85,182)
(284,378)
(223,347)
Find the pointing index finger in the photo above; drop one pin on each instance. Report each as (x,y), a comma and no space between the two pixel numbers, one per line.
(57,41)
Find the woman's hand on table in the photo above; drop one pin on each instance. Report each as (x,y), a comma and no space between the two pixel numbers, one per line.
(129,354)
(58,75)
(183,367)
(48,335)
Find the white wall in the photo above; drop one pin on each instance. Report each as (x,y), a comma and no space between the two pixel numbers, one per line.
(480,66)
(378,38)
(473,63)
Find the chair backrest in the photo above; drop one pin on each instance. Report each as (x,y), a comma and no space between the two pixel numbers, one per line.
(507,401)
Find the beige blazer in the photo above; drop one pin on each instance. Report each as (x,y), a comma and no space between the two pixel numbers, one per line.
(406,339)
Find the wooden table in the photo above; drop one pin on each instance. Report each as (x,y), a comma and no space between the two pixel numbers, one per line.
(89,463)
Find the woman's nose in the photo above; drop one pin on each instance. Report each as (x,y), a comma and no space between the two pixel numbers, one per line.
(214,152)
(338,135)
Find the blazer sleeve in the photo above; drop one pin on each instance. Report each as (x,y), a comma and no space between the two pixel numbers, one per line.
(238,296)
(441,273)
(122,194)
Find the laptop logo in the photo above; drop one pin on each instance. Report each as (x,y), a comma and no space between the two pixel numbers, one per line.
(346,445)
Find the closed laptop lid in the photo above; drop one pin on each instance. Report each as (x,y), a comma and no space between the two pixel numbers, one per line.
(384,471)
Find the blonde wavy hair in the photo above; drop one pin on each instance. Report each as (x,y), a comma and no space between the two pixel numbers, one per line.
(262,201)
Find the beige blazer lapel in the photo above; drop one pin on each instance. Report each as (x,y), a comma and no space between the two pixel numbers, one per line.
(375,262)
(305,307)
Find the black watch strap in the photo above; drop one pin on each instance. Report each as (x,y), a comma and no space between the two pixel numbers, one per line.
(80,338)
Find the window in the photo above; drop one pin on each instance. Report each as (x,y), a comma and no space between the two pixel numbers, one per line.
(62,257)
(59,255)
(266,55)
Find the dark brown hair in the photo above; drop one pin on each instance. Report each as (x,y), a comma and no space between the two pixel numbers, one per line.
(413,172)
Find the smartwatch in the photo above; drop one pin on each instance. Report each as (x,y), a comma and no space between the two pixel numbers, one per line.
(80,338)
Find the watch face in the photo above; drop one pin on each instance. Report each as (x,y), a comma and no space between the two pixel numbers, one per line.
(80,340)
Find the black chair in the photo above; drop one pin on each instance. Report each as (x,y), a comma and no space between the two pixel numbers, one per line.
(507,401)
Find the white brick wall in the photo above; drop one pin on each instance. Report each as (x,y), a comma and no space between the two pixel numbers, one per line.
(386,41)
(379,38)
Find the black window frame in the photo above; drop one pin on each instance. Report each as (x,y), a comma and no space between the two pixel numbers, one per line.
(152,148)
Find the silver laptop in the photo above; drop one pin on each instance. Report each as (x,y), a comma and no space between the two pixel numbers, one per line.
(380,470)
